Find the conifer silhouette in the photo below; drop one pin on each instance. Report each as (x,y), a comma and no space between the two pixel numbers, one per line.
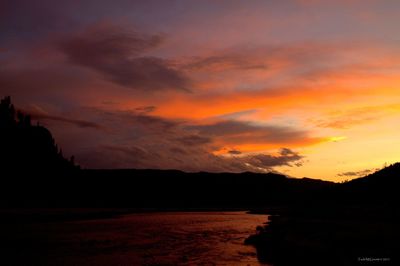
(28,148)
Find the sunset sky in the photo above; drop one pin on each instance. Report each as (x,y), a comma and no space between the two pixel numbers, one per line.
(303,87)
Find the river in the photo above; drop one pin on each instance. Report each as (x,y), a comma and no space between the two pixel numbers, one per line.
(169,238)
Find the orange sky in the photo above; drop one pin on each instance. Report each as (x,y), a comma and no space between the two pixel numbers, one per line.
(307,88)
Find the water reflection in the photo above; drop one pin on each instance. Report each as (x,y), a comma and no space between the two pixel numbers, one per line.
(206,238)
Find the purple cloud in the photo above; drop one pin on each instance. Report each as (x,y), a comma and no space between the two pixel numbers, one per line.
(118,54)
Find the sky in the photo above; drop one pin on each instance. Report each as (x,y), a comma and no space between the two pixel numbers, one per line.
(308,88)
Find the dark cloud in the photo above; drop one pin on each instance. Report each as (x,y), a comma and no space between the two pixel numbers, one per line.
(287,152)
(266,161)
(113,156)
(177,150)
(235,115)
(117,54)
(80,123)
(140,120)
(224,62)
(131,151)
(234,152)
(193,140)
(356,173)
(145,109)
(227,127)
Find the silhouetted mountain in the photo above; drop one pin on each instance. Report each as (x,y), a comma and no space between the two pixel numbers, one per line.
(166,189)
(171,188)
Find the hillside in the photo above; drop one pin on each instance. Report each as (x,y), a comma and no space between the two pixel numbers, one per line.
(379,187)
(355,223)
(27,149)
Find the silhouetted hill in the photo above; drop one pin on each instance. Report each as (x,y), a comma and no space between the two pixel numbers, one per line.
(381,186)
(171,188)
(27,149)
(354,223)
(30,162)
(164,189)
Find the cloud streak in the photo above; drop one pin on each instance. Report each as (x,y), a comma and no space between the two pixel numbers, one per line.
(357,116)
(234,132)
(77,122)
(353,174)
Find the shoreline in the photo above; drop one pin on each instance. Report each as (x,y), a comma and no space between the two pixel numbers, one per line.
(307,237)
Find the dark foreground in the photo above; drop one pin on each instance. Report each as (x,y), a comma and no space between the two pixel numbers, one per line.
(336,238)
(168,238)
(354,224)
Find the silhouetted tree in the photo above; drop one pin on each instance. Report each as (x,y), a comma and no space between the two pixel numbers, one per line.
(7,113)
(25,147)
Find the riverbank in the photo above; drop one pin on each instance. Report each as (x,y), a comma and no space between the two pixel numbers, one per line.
(335,236)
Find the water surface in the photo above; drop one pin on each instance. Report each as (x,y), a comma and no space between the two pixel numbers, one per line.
(175,238)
